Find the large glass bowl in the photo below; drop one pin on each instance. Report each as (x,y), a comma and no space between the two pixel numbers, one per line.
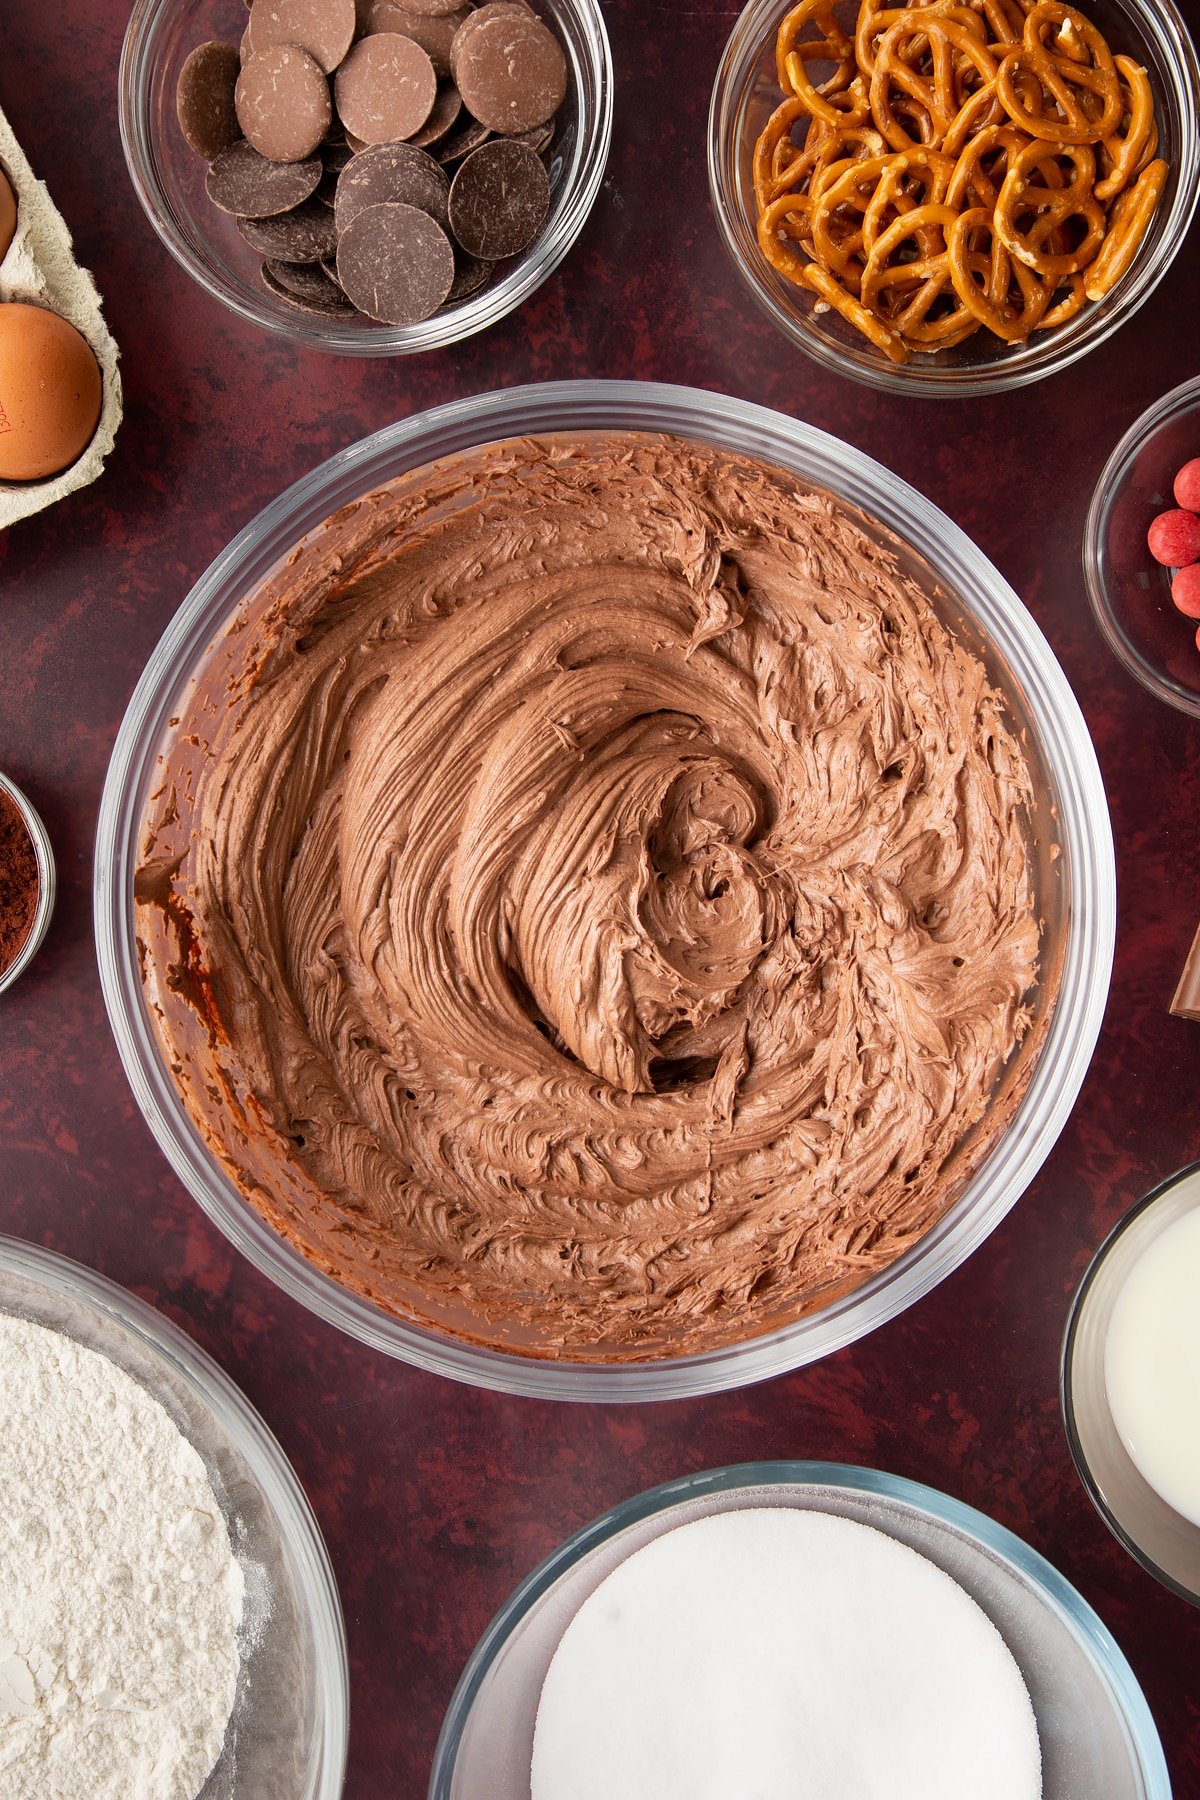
(744,96)
(1071,849)
(1096,1732)
(1130,592)
(287,1734)
(168,178)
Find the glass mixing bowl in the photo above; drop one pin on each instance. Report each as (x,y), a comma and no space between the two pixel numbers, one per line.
(1071,849)
(287,1734)
(43,850)
(1130,592)
(744,96)
(168,178)
(1096,1732)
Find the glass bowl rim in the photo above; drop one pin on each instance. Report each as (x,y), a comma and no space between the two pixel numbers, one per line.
(1108,1658)
(43,850)
(244,1427)
(1074,1026)
(1171,405)
(1066,1380)
(1164,20)
(478,313)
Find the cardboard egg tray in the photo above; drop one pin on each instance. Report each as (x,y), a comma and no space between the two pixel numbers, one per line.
(40,268)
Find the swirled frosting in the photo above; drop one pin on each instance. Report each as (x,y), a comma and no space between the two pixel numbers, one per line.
(588,904)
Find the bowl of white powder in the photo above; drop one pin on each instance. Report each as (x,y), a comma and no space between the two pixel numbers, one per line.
(793,1628)
(169,1623)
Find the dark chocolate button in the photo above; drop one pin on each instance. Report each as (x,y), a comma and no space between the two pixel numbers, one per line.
(434,34)
(470,275)
(385,89)
(327,301)
(309,281)
(282,101)
(392,173)
(204,99)
(306,235)
(242,182)
(499,200)
(324,28)
(461,142)
(447,109)
(396,264)
(510,71)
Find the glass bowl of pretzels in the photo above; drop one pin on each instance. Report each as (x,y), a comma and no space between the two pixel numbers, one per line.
(956,197)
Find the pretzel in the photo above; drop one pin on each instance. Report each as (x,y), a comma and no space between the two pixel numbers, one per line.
(964,165)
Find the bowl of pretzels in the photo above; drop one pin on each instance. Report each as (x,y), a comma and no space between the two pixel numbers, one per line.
(954,197)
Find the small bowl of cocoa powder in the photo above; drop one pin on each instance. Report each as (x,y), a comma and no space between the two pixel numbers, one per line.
(26,882)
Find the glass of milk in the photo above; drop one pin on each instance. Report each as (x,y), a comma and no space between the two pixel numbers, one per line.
(1131,1382)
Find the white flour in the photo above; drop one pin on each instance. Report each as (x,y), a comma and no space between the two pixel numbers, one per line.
(119,1593)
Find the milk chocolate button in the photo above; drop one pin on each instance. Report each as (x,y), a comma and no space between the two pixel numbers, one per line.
(242,182)
(499,200)
(432,8)
(396,264)
(492,9)
(282,101)
(385,89)
(204,99)
(461,142)
(306,235)
(510,71)
(446,111)
(391,172)
(434,34)
(325,28)
(308,286)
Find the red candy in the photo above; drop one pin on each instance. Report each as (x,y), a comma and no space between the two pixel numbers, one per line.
(1174,539)
(1187,485)
(1185,590)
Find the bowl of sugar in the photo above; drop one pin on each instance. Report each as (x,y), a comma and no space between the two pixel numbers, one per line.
(1131,1382)
(790,1627)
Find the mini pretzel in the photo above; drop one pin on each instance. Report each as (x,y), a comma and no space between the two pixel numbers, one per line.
(964,165)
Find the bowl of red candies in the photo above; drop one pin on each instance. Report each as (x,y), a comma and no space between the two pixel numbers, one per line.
(1141,549)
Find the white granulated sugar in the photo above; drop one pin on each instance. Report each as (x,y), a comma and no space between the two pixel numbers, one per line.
(120,1595)
(777,1654)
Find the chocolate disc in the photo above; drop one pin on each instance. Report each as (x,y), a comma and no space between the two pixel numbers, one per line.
(306,235)
(510,71)
(434,34)
(308,281)
(432,8)
(242,182)
(492,9)
(385,89)
(447,109)
(396,264)
(282,101)
(460,143)
(392,172)
(470,275)
(499,200)
(204,99)
(324,28)
(327,301)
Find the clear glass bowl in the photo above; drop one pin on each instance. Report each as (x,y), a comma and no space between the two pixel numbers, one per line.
(744,96)
(168,177)
(287,1733)
(1096,1731)
(44,851)
(1130,592)
(1072,851)
(1163,1541)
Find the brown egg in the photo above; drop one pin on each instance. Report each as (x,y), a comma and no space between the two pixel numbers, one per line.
(8,214)
(50,393)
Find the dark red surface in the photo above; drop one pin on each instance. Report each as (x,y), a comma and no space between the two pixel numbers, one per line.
(436,1499)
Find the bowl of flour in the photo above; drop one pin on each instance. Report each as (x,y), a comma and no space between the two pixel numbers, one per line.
(169,1623)
(797,1629)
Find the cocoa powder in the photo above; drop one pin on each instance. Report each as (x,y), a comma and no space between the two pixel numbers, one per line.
(20,884)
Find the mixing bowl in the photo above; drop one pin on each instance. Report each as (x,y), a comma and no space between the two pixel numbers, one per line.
(168,178)
(1071,851)
(744,96)
(287,1734)
(1097,1736)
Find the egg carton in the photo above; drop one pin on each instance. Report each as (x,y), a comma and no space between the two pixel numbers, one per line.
(40,268)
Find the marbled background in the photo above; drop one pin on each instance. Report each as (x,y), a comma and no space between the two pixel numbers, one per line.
(435,1499)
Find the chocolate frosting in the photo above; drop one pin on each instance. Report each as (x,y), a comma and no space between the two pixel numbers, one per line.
(589,904)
